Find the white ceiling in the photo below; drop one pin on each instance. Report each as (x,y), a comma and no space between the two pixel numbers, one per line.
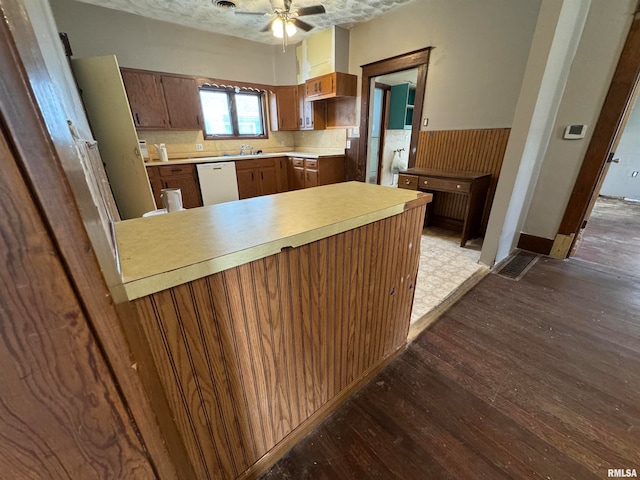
(205,15)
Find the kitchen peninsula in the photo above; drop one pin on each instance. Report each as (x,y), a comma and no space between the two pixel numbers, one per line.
(262,315)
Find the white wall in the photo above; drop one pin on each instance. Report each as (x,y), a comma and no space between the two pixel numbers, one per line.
(148,44)
(476,68)
(591,72)
(619,182)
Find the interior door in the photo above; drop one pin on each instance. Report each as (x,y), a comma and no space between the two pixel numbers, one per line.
(108,110)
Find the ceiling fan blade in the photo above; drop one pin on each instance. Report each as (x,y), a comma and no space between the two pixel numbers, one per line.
(312,10)
(245,12)
(268,27)
(301,25)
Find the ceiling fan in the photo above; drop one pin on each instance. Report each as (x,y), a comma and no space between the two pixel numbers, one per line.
(285,21)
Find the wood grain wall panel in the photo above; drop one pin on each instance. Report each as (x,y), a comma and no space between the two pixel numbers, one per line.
(464,151)
(250,353)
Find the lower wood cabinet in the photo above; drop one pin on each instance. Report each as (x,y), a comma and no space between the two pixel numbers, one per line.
(183,177)
(262,176)
(313,172)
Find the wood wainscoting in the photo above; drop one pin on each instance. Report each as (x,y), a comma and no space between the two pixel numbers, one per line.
(463,151)
(248,355)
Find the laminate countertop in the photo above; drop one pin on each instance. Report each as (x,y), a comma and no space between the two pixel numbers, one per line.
(236,158)
(163,251)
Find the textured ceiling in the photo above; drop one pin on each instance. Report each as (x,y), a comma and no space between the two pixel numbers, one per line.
(205,15)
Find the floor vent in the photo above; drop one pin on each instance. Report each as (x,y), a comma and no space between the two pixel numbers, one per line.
(519,264)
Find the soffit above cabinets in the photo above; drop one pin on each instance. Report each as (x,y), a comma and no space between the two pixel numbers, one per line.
(205,15)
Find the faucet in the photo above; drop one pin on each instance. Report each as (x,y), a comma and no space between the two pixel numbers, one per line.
(243,149)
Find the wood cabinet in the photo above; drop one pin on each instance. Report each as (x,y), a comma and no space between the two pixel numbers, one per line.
(146,99)
(284,109)
(162,101)
(313,172)
(183,102)
(331,85)
(313,115)
(262,176)
(183,177)
(401,106)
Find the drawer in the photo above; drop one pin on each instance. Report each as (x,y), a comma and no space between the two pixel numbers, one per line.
(297,162)
(409,182)
(443,184)
(172,170)
(311,163)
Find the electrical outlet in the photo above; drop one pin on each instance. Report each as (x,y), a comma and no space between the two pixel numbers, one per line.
(199,147)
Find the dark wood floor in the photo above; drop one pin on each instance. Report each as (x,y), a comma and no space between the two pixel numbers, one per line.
(538,378)
(612,236)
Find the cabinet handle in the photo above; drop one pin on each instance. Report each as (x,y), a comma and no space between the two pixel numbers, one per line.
(176,170)
(137,118)
(251,176)
(425,182)
(198,119)
(262,175)
(307,175)
(457,186)
(407,181)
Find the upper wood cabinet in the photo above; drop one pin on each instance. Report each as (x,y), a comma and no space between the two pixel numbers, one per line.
(183,102)
(146,99)
(313,115)
(283,103)
(162,101)
(331,85)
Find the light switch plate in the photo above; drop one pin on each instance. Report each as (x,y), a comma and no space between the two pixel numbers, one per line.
(199,147)
(348,144)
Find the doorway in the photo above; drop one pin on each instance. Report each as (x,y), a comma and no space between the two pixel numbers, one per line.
(391,125)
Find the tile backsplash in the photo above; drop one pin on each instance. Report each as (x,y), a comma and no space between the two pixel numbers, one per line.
(182,144)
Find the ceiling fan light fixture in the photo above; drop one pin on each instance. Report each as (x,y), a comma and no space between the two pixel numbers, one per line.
(290,29)
(277,28)
(224,4)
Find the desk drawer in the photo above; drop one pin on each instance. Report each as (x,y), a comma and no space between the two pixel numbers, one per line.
(409,182)
(441,184)
(311,163)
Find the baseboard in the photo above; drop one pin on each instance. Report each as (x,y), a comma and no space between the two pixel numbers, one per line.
(425,321)
(288,442)
(534,244)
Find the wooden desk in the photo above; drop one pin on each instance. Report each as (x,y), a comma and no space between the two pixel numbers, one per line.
(474,186)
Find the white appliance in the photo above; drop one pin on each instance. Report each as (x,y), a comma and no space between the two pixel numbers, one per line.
(218,182)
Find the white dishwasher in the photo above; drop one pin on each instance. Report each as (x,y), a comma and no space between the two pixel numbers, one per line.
(218,182)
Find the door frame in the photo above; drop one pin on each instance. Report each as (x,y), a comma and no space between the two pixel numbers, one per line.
(605,134)
(384,118)
(417,59)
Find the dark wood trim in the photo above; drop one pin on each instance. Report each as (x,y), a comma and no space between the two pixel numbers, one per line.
(41,165)
(384,121)
(534,244)
(605,131)
(417,59)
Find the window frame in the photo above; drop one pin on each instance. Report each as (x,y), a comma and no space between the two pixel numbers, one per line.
(233,112)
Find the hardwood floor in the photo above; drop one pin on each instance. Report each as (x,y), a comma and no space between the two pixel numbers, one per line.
(612,235)
(538,378)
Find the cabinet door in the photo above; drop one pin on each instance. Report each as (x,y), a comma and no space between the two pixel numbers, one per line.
(247,183)
(156,187)
(283,177)
(310,178)
(183,102)
(313,114)
(296,181)
(287,108)
(268,178)
(189,187)
(146,99)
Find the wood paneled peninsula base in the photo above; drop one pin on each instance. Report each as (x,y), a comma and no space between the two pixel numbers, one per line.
(262,315)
